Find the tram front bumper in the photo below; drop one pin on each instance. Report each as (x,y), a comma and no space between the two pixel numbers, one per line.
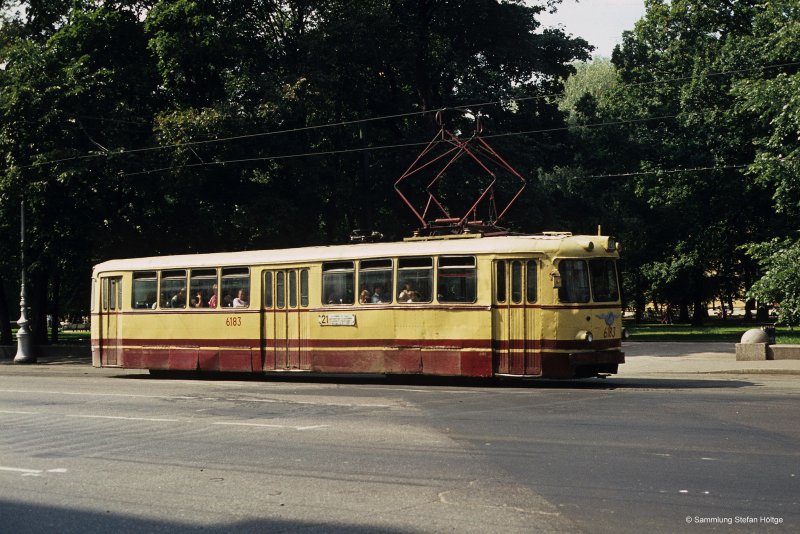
(581,364)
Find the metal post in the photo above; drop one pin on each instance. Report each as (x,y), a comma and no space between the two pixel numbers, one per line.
(25,352)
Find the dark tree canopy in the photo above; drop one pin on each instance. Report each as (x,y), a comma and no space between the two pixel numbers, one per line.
(154,127)
(150,127)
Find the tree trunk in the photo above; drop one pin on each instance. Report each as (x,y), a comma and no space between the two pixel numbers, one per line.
(640,305)
(748,309)
(39,308)
(54,309)
(5,319)
(699,313)
(683,313)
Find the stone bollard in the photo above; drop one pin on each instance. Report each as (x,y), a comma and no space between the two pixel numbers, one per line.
(753,345)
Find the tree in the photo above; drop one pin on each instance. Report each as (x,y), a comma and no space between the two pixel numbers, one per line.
(149,127)
(67,102)
(772,100)
(678,75)
(780,282)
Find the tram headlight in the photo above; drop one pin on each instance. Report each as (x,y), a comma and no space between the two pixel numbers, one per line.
(585,335)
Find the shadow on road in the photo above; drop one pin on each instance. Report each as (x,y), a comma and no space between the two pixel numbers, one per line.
(25,517)
(435,381)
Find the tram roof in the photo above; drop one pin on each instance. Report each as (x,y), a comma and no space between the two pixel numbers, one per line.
(549,243)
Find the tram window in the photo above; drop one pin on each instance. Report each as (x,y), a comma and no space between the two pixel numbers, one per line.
(203,288)
(500,292)
(516,282)
(574,281)
(112,293)
(235,287)
(173,289)
(304,288)
(414,279)
(268,289)
(145,288)
(104,292)
(604,280)
(113,299)
(94,294)
(292,289)
(338,282)
(532,275)
(457,279)
(375,281)
(280,290)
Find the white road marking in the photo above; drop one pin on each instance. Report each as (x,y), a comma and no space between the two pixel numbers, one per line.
(32,472)
(158,420)
(166,420)
(249,424)
(20,470)
(265,425)
(188,397)
(89,394)
(21,413)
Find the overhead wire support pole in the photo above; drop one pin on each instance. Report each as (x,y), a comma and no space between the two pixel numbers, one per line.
(25,353)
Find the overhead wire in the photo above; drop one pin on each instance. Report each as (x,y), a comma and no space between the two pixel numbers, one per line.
(463,107)
(424,143)
(671,171)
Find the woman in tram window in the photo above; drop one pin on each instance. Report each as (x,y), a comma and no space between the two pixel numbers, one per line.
(241,299)
(407,294)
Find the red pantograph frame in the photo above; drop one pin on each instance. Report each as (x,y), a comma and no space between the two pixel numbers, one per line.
(474,147)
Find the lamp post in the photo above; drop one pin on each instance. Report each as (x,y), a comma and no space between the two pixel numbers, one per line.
(25,352)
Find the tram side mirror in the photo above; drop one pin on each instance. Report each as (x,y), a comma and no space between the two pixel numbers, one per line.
(556,276)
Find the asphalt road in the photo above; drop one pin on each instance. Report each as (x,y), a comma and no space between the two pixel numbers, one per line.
(88,450)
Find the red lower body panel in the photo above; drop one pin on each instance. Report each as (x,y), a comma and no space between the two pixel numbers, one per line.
(441,361)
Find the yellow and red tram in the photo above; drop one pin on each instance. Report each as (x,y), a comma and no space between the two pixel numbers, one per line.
(462,305)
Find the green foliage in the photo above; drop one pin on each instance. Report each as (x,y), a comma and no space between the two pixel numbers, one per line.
(590,89)
(111,116)
(154,126)
(780,282)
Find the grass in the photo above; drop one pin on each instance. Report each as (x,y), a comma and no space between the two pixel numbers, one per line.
(64,338)
(715,330)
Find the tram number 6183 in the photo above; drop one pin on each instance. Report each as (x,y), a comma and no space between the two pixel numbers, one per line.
(233,321)
(610,332)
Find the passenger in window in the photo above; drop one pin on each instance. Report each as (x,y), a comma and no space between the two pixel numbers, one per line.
(179,299)
(407,294)
(227,301)
(197,300)
(241,299)
(212,302)
(378,296)
(364,297)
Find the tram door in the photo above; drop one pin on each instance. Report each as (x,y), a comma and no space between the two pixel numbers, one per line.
(285,330)
(513,320)
(110,320)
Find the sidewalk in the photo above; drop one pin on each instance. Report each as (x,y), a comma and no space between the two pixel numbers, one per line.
(641,358)
(644,358)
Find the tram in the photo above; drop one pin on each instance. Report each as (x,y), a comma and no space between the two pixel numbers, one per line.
(473,305)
